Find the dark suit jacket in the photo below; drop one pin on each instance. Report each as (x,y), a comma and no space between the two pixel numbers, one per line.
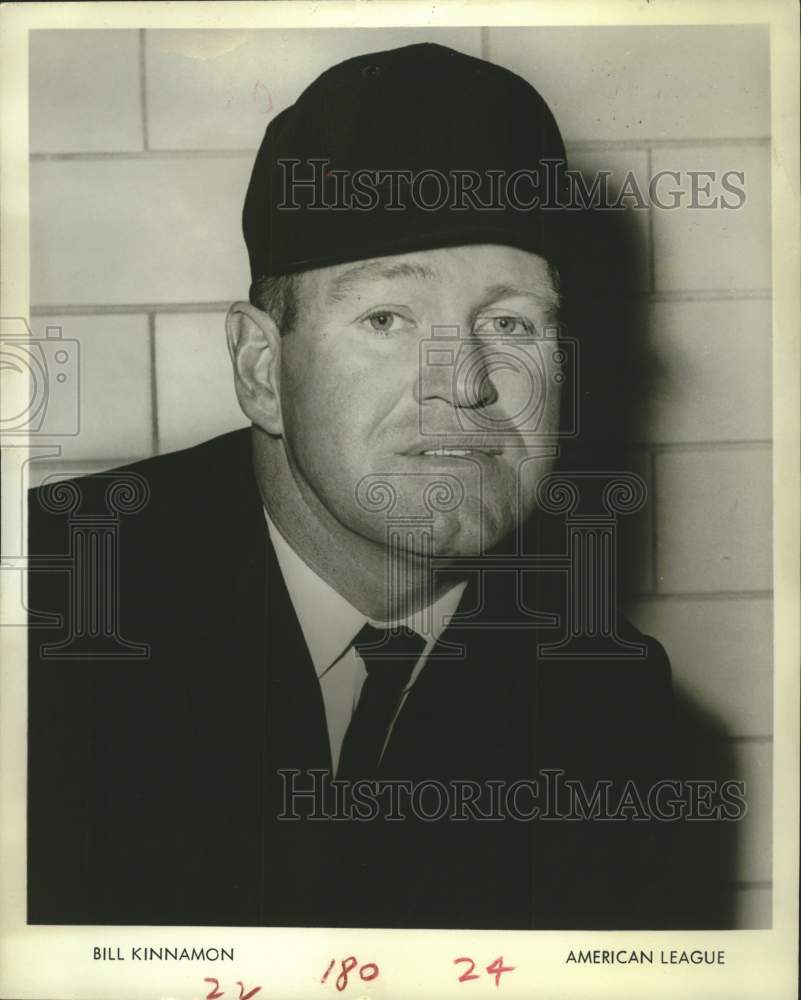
(153,786)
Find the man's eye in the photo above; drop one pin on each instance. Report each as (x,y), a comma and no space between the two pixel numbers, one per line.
(504,325)
(382,321)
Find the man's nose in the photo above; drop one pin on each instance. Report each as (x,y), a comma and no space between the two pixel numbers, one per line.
(457,371)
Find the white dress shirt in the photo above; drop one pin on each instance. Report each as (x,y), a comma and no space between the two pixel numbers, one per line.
(330,624)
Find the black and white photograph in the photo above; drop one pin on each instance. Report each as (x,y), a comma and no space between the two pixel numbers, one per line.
(391,544)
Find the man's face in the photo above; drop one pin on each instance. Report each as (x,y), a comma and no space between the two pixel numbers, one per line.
(383,421)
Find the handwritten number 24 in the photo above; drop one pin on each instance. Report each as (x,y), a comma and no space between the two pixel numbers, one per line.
(496,968)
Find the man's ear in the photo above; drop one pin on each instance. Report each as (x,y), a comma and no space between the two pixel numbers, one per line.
(254,343)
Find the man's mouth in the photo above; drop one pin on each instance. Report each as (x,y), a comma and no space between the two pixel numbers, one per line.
(451,452)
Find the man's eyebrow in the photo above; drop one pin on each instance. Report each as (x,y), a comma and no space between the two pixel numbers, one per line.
(381,270)
(543,295)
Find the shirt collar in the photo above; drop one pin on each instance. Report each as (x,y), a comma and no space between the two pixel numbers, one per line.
(329,622)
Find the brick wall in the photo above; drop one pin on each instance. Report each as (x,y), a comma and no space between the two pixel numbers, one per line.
(142,143)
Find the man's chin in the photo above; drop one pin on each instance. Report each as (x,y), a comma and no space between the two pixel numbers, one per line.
(470,530)
(466,536)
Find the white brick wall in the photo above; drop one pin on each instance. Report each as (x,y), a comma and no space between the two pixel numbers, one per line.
(712,360)
(116,405)
(149,229)
(142,145)
(219,89)
(195,391)
(625,84)
(710,249)
(713,510)
(85,91)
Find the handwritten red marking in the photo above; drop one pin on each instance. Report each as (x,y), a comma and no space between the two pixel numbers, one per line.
(214,991)
(342,978)
(262,97)
(497,969)
(467,974)
(363,971)
(368,971)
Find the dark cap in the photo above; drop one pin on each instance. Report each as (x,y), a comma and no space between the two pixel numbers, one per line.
(411,149)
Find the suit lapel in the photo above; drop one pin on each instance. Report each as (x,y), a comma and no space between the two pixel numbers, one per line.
(259,620)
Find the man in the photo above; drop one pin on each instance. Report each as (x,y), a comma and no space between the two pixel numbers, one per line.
(316,598)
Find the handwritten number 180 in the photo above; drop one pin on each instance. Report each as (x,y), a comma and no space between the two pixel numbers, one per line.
(367,971)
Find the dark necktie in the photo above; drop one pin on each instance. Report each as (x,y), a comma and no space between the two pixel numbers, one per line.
(389,657)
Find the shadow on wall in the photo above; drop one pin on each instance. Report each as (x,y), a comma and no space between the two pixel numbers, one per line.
(618,371)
